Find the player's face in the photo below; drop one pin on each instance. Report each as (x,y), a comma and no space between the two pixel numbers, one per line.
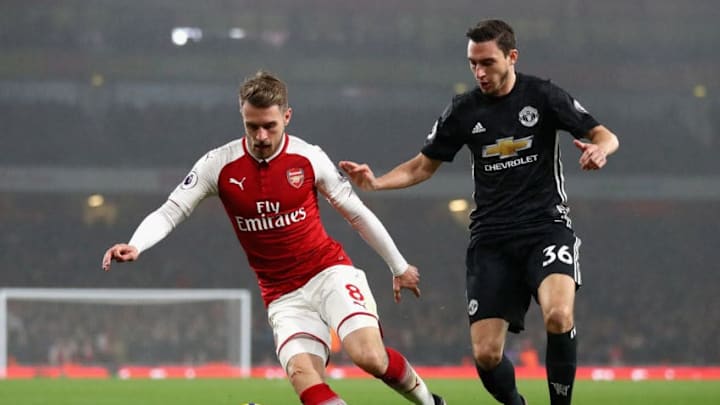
(264,128)
(493,70)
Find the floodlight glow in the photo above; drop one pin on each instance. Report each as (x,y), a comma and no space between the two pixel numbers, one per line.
(95,200)
(181,35)
(700,91)
(458,205)
(237,33)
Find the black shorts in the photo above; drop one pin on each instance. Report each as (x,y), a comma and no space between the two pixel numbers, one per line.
(503,275)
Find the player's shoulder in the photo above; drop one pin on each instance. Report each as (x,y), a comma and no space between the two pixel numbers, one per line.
(466,98)
(463,103)
(225,153)
(531,83)
(232,149)
(299,146)
(312,154)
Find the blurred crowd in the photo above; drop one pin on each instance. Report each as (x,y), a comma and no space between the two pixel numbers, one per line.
(81,90)
(648,295)
(181,133)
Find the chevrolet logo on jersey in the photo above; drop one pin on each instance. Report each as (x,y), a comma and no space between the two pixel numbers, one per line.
(507,147)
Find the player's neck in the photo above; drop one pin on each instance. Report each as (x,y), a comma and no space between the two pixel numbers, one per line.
(509,84)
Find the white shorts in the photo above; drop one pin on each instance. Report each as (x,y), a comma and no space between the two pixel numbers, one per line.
(339,297)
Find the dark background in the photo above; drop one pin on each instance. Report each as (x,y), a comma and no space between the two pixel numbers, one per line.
(96,98)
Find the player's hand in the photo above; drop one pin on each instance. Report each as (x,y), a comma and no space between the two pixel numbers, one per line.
(360,174)
(409,279)
(121,252)
(593,157)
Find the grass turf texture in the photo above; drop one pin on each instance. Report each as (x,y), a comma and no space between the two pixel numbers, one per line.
(355,392)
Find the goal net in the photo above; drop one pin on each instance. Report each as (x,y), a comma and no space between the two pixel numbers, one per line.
(155,333)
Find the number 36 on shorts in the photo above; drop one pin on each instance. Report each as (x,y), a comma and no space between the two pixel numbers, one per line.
(553,253)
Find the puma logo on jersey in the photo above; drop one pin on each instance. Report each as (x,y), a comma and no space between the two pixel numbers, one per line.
(360,304)
(478,128)
(239,183)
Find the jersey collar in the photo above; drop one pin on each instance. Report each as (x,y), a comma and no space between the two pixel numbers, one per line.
(280,150)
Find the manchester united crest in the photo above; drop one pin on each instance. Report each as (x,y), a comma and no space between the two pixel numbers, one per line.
(529,116)
(296,177)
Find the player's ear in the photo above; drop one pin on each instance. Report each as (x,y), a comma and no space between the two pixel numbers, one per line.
(288,115)
(513,55)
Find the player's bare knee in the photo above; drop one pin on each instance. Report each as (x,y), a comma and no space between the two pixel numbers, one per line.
(487,355)
(559,319)
(371,360)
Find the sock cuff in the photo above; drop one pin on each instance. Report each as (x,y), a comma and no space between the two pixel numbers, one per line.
(317,394)
(571,335)
(397,367)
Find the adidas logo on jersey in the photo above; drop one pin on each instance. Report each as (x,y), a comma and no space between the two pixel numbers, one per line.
(478,128)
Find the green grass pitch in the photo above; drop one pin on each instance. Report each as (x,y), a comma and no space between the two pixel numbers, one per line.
(355,392)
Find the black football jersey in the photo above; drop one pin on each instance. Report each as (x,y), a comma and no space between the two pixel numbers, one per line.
(514,141)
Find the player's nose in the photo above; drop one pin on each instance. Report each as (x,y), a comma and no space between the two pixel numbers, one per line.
(479,72)
(262,135)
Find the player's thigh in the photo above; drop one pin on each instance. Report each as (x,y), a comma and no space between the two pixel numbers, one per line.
(556,297)
(554,252)
(346,301)
(297,328)
(495,285)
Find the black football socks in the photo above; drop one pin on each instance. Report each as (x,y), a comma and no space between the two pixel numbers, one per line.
(561,362)
(500,382)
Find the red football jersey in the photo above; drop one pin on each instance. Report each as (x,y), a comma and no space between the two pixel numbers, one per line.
(273,207)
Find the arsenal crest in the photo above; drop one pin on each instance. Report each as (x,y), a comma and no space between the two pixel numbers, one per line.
(296,177)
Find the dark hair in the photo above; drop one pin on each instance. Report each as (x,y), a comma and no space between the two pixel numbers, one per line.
(264,90)
(493,30)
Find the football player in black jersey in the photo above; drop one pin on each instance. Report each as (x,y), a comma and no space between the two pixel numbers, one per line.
(522,244)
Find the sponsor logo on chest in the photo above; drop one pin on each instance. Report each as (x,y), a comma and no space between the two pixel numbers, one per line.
(269,217)
(506,148)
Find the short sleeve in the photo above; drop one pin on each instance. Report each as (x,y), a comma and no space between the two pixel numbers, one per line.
(571,116)
(445,138)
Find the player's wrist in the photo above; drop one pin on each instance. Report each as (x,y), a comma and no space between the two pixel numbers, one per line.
(399,270)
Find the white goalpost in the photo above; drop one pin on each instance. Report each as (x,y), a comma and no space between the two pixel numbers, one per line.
(218,322)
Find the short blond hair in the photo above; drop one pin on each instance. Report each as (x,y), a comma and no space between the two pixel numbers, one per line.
(264,90)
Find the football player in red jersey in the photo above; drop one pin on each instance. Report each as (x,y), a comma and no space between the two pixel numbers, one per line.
(268,182)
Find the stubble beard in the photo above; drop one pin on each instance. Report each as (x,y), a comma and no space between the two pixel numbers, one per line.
(495,91)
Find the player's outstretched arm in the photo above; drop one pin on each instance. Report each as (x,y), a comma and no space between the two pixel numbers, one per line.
(360,174)
(156,226)
(121,252)
(409,173)
(410,280)
(602,144)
